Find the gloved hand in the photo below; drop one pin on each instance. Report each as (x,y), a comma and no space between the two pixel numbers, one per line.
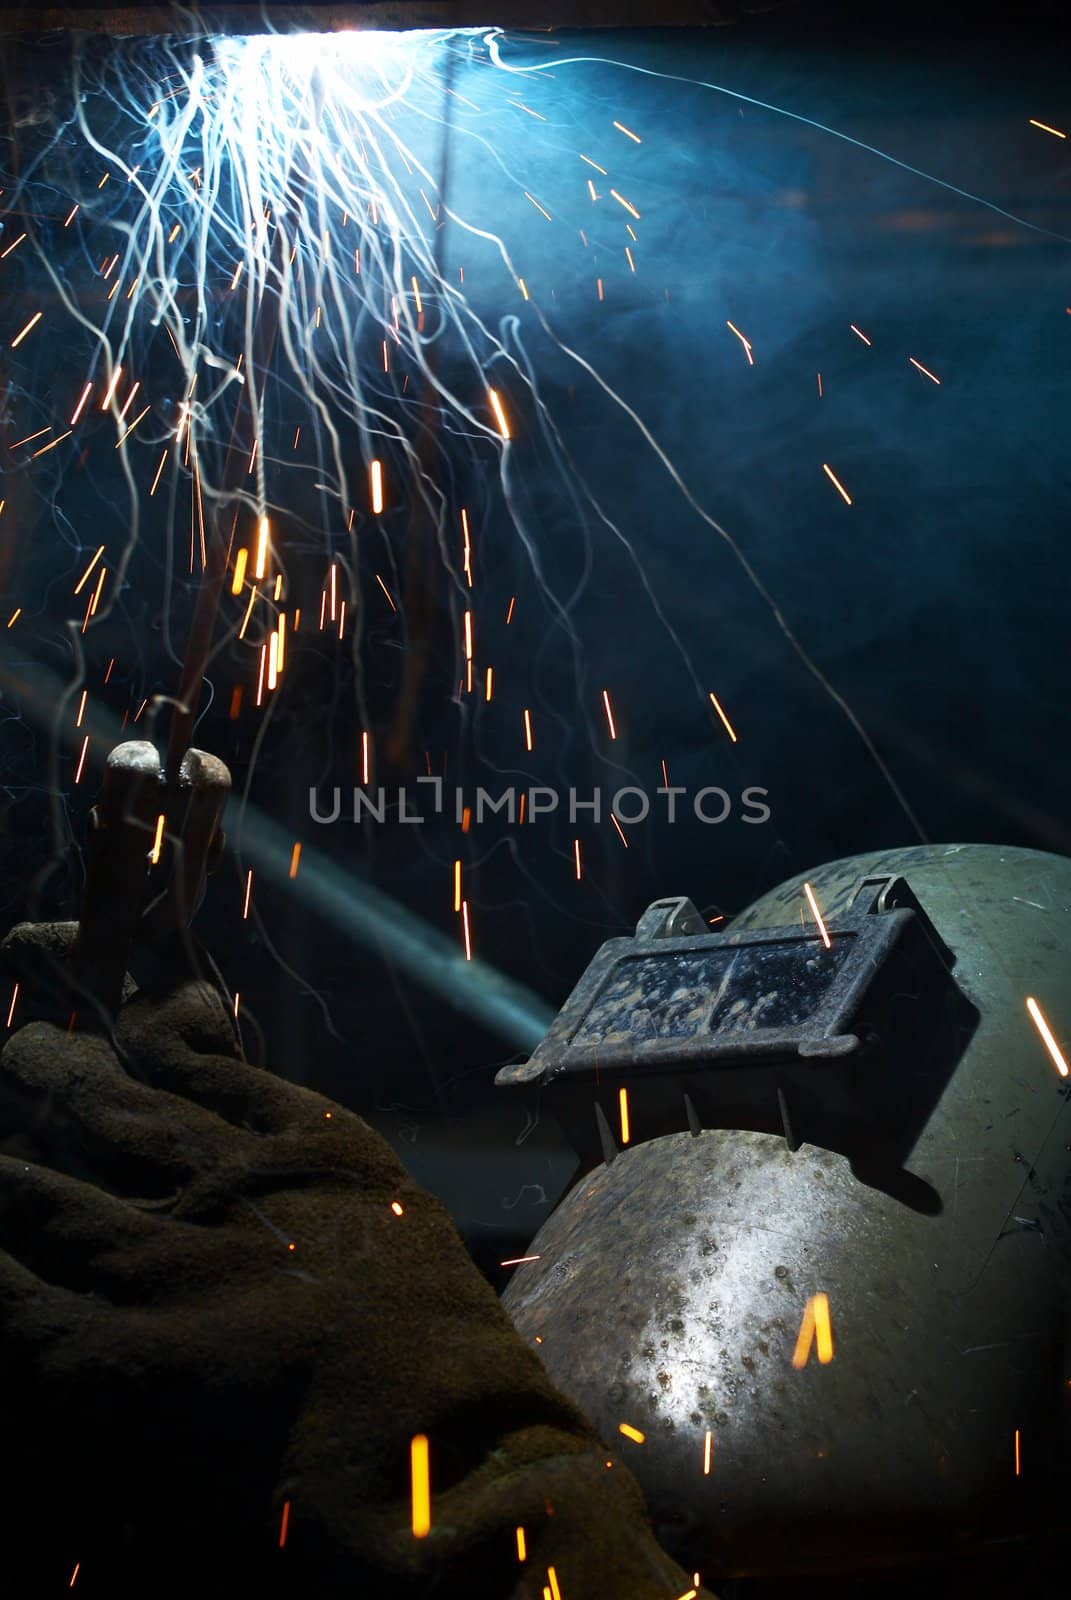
(225,1311)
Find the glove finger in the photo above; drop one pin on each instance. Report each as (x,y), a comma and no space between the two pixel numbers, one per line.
(63,1229)
(94,1120)
(39,957)
(189,1016)
(38,948)
(185,1041)
(247,1097)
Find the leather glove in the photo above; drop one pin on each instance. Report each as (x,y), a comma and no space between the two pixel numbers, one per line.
(225,1312)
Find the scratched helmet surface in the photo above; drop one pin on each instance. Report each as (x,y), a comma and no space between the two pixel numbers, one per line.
(675,1290)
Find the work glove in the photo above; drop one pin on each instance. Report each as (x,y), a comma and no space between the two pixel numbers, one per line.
(227,1311)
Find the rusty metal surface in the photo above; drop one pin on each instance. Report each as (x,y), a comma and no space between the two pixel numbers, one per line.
(670,1286)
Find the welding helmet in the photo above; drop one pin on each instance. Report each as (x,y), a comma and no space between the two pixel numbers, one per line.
(813,1284)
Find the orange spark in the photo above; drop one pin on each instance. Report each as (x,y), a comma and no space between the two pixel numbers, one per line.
(158,839)
(240,564)
(622,1099)
(924,370)
(466,929)
(421,1486)
(620,126)
(248,613)
(96,592)
(129,399)
(860,334)
(467,561)
(84,578)
(538,207)
(29,438)
(376,471)
(248,893)
(835,481)
(813,903)
(745,342)
(630,1432)
(260,566)
(86,392)
(500,415)
(19,337)
(724,718)
(609,713)
(124,436)
(159,471)
(1047,1035)
(528,730)
(1046,129)
(109,393)
(45,448)
(815,1325)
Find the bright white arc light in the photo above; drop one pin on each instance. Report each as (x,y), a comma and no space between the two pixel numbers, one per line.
(378,67)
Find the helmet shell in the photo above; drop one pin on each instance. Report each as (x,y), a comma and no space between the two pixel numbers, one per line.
(670,1288)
